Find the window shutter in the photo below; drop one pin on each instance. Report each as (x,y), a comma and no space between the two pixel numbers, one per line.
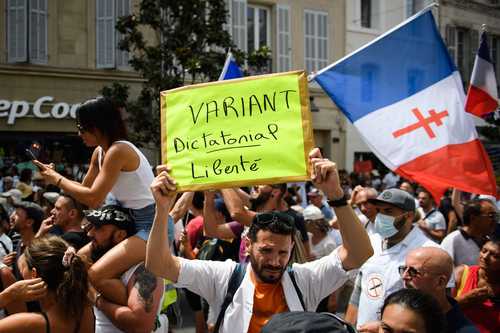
(284,45)
(322,40)
(105,34)
(17,30)
(309,41)
(239,23)
(122,57)
(38,31)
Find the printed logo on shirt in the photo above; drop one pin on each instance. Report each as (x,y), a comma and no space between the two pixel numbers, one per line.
(375,286)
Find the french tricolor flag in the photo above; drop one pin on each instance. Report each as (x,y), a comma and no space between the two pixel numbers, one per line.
(482,97)
(404,95)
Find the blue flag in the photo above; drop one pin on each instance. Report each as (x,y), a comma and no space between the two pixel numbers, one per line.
(231,69)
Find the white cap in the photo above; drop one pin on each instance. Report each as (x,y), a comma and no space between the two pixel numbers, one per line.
(312,212)
(51,197)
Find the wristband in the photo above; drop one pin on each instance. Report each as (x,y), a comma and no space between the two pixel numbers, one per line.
(338,203)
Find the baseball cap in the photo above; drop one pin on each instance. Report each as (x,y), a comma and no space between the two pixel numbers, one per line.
(51,196)
(111,214)
(396,197)
(314,192)
(14,193)
(32,210)
(312,212)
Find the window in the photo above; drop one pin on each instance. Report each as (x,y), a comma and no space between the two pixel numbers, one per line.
(462,45)
(108,55)
(366,13)
(316,40)
(27,31)
(258,27)
(414,6)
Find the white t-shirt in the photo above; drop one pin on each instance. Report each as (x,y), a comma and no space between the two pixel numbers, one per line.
(324,247)
(461,248)
(379,274)
(6,245)
(435,220)
(104,325)
(369,226)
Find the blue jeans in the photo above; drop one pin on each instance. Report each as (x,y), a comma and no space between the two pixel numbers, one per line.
(144,221)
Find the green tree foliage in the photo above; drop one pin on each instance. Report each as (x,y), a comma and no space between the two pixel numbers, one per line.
(173,43)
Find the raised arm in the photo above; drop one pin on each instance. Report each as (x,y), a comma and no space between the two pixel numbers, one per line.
(159,258)
(211,226)
(236,207)
(356,248)
(93,194)
(456,204)
(181,206)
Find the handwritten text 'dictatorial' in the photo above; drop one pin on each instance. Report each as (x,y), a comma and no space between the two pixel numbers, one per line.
(240,107)
(224,139)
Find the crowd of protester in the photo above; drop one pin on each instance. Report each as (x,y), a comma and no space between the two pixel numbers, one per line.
(112,247)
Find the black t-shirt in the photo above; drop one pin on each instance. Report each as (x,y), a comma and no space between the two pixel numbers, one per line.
(77,239)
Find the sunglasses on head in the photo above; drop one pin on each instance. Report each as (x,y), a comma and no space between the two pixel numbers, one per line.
(492,216)
(268,218)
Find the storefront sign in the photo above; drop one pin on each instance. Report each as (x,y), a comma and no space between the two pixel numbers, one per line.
(13,110)
(255,130)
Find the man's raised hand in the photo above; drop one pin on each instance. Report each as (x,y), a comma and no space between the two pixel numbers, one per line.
(163,187)
(325,175)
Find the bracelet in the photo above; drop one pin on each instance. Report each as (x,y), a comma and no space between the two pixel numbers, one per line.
(59,181)
(338,202)
(97,297)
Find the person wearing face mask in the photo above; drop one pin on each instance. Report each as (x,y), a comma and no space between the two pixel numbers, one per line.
(395,237)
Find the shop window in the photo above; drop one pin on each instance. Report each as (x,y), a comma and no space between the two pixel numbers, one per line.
(316,40)
(108,55)
(27,31)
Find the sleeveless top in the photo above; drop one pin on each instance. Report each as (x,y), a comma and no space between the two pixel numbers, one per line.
(485,316)
(132,187)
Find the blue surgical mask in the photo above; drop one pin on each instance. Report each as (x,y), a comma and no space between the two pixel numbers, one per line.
(384,225)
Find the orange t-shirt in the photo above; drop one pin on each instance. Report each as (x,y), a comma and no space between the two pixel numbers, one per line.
(268,299)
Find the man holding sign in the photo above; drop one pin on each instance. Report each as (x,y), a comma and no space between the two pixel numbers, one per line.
(265,288)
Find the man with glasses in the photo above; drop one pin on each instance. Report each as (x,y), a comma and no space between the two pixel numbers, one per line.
(395,236)
(265,288)
(429,269)
(479,221)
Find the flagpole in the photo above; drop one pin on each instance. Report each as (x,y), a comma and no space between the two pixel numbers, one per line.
(311,77)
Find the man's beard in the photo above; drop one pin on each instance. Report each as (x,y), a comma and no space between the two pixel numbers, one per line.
(260,199)
(98,251)
(259,271)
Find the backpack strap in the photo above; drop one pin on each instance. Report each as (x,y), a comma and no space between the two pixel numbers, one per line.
(297,289)
(233,285)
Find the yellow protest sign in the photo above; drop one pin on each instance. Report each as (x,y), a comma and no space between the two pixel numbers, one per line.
(255,130)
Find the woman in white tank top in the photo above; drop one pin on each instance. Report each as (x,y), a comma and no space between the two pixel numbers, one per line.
(119,168)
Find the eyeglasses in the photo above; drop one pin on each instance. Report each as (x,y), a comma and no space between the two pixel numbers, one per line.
(492,216)
(268,218)
(412,271)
